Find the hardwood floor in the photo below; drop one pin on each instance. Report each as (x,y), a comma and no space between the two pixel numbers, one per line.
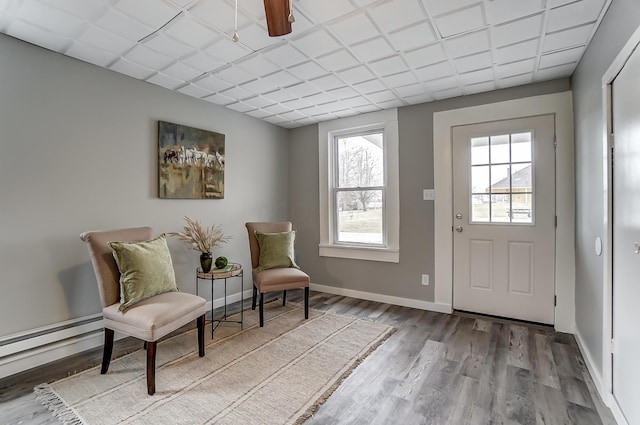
(436,369)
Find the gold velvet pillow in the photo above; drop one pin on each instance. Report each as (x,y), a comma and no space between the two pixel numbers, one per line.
(145,270)
(276,250)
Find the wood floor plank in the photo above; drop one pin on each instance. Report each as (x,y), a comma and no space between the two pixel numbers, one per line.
(437,369)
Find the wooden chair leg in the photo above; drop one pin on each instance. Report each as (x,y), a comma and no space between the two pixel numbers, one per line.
(261,309)
(201,321)
(284,297)
(151,367)
(253,299)
(306,302)
(108,349)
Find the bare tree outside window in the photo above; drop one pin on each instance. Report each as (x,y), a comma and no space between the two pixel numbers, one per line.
(360,188)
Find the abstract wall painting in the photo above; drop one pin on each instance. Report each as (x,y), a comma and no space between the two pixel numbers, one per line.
(190,162)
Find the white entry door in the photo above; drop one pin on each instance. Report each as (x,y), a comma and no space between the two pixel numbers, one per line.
(626,239)
(504,218)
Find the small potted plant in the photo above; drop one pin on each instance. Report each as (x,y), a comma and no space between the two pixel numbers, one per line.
(202,239)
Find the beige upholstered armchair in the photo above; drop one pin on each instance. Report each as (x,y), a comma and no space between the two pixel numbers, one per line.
(150,318)
(278,274)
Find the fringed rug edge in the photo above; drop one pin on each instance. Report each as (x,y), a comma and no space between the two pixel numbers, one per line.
(52,401)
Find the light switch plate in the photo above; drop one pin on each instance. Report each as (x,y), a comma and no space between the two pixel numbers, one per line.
(428,194)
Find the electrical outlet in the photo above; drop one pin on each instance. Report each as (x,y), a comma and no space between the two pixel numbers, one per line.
(425,279)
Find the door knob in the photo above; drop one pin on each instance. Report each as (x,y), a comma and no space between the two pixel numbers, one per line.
(459,229)
(459,216)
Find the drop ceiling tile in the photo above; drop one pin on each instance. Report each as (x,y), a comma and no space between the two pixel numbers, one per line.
(293,115)
(165,81)
(226,50)
(258,101)
(252,8)
(569,38)
(355,102)
(51,19)
(258,65)
(410,90)
(219,15)
(382,96)
(154,13)
(256,37)
(434,72)
(460,21)
(499,11)
(168,46)
(438,7)
(280,96)
(106,41)
(280,79)
(480,87)
(391,104)
(388,66)
(296,104)
(425,56)
(237,93)
(421,98)
(219,99)
(201,61)
(556,72)
(302,89)
(369,86)
(555,3)
(520,30)
(365,108)
(316,43)
(354,29)
(322,11)
(516,52)
(193,90)
(473,62)
(319,98)
(448,93)
(574,14)
(132,69)
(236,75)
(87,10)
(90,54)
(441,84)
(190,32)
(181,71)
(413,37)
(260,86)
(240,107)
(213,84)
(147,57)
(259,113)
(276,109)
(182,3)
(307,71)
(328,82)
(468,44)
(517,80)
(373,49)
(515,68)
(561,58)
(356,75)
(397,14)
(400,79)
(123,25)
(475,77)
(285,56)
(343,93)
(338,60)
(275,119)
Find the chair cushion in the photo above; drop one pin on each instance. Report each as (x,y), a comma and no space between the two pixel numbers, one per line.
(279,279)
(276,250)
(145,270)
(155,317)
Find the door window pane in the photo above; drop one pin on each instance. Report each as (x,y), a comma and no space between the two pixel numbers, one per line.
(501,190)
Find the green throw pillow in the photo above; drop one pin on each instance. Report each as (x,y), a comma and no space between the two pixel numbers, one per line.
(276,250)
(145,270)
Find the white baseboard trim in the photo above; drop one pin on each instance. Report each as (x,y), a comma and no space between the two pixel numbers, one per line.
(388,299)
(48,345)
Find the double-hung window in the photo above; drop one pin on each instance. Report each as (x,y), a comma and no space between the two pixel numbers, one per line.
(359,214)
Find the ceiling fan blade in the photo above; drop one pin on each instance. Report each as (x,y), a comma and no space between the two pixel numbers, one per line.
(277,12)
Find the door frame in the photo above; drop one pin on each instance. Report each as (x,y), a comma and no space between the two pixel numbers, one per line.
(605,387)
(559,104)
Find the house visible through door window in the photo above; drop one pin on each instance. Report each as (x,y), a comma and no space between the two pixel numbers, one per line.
(502,179)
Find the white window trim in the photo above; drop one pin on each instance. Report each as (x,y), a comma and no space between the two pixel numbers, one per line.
(387,121)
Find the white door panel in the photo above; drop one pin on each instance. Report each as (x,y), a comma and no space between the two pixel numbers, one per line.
(626,234)
(504,207)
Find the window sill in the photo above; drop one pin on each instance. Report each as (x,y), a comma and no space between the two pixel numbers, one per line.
(360,253)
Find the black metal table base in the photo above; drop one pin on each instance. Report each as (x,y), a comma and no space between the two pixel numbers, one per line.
(215,322)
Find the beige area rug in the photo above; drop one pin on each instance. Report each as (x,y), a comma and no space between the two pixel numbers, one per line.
(278,374)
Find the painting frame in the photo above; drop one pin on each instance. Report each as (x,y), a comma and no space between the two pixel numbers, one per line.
(191,162)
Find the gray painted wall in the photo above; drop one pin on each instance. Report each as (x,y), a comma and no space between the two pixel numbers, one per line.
(78,152)
(416,216)
(621,20)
